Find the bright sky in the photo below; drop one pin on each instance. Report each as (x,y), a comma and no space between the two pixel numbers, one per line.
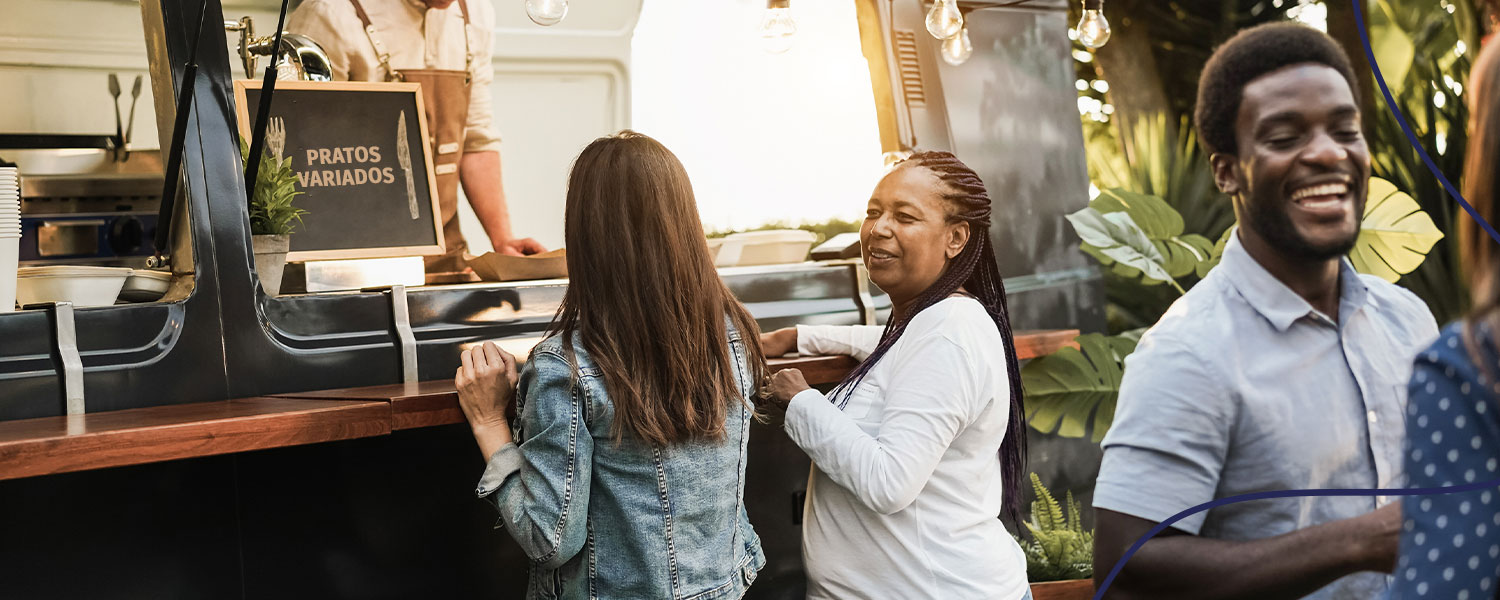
(764,137)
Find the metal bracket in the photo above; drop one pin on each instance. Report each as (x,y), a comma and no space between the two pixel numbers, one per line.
(401,319)
(862,295)
(65,343)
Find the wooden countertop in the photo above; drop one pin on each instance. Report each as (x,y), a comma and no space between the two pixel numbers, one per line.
(44,446)
(49,445)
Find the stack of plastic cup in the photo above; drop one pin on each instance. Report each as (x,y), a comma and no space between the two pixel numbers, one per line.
(10,235)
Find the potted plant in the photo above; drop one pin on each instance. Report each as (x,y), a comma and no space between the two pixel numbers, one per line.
(272,216)
(1060,554)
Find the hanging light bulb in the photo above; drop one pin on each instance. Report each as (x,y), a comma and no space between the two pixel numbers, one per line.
(546,12)
(944,20)
(958,49)
(1093,28)
(777,27)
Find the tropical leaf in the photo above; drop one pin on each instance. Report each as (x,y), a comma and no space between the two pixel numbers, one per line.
(271,209)
(1215,255)
(1118,238)
(1395,235)
(1073,391)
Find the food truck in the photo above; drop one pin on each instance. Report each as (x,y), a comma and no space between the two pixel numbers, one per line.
(220,441)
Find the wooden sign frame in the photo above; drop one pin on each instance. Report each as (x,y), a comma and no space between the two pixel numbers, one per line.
(415,90)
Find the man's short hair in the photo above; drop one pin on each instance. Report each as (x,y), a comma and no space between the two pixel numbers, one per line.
(1248,55)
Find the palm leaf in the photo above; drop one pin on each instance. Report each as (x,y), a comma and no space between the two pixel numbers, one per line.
(1073,391)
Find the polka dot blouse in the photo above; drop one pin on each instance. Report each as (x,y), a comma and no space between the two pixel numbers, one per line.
(1450,543)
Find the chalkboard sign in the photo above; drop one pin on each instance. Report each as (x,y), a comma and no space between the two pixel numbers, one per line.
(367,192)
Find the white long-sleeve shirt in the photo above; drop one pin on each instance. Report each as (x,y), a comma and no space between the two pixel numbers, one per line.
(906,489)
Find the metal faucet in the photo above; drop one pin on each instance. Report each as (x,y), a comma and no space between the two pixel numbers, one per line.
(302,56)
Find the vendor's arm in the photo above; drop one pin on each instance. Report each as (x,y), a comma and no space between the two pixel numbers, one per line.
(932,397)
(479,169)
(1165,453)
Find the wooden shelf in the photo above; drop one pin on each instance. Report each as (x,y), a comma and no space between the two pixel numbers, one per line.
(48,445)
(433,403)
(33,447)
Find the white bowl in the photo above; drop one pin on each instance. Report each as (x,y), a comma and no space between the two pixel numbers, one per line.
(145,285)
(83,286)
(770,247)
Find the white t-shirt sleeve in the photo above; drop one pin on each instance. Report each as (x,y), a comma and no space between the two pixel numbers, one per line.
(931,398)
(857,341)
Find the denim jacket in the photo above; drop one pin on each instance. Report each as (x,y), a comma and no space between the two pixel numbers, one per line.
(606,520)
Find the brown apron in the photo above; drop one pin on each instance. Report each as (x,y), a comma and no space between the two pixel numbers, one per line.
(445,95)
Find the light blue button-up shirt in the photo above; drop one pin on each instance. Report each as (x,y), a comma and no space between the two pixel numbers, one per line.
(1243,386)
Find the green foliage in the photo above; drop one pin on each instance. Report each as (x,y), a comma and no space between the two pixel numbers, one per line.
(271,210)
(1429,88)
(1154,163)
(1141,242)
(1059,548)
(824,230)
(1069,388)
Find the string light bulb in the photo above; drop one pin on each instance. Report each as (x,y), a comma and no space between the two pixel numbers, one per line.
(958,49)
(944,19)
(1093,28)
(546,12)
(777,27)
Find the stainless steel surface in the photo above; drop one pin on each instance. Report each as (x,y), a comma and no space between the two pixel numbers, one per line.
(401,319)
(91,185)
(862,294)
(355,274)
(68,238)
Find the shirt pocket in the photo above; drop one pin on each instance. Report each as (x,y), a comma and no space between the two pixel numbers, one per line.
(865,404)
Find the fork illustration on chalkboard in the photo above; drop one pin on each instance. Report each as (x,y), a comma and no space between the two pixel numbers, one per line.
(276,139)
(403,155)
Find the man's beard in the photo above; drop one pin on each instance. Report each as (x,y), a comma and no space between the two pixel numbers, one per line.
(1275,226)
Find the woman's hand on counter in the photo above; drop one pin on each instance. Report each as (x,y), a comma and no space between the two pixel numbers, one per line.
(778,343)
(785,384)
(486,384)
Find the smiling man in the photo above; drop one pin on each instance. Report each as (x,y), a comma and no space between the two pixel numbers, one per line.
(1282,369)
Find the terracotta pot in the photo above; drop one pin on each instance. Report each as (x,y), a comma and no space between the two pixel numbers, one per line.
(1073,589)
(270,259)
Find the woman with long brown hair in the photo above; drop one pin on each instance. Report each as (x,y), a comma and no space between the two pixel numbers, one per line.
(1450,543)
(921,447)
(623,475)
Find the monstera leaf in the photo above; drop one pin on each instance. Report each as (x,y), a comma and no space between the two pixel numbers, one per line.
(1395,235)
(1216,255)
(1163,227)
(1073,386)
(1116,240)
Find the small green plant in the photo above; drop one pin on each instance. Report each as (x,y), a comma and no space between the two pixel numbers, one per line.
(1059,548)
(271,210)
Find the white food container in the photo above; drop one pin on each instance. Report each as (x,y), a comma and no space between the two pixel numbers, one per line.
(779,246)
(83,286)
(145,285)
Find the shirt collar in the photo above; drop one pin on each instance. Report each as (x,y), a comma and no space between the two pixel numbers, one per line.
(1273,299)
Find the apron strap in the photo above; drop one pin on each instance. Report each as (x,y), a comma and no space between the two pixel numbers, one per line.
(463,8)
(380,51)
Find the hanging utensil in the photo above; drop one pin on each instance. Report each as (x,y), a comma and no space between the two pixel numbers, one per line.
(135,96)
(114,90)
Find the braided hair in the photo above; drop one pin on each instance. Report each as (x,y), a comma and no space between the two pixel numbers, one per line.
(975,270)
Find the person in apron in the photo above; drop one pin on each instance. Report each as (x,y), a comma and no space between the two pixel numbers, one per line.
(364,55)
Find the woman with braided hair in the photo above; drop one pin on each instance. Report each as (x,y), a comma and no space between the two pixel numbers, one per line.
(921,447)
